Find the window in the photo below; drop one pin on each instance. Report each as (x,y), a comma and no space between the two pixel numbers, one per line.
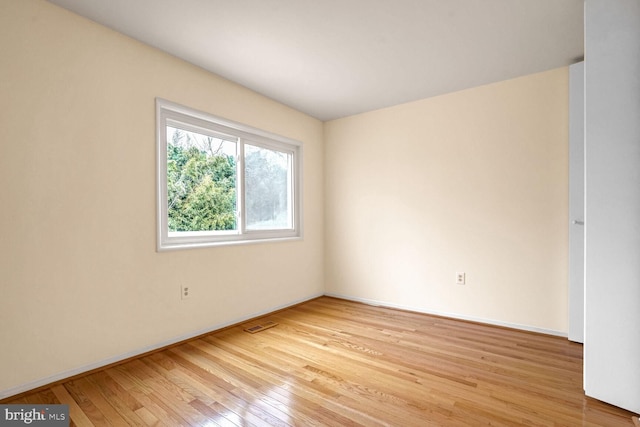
(221,182)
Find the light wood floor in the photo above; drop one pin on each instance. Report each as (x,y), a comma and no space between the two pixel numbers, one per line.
(333,362)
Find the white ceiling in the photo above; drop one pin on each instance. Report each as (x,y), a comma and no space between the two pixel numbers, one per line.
(334,58)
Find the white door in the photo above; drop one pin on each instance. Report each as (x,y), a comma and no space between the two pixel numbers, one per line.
(576,202)
(612,203)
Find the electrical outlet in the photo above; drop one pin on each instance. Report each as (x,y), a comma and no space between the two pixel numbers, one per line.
(461,278)
(184,292)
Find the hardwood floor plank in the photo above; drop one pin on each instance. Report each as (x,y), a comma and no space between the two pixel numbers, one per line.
(147,417)
(117,397)
(228,394)
(77,391)
(331,362)
(278,384)
(77,415)
(156,407)
(316,379)
(104,402)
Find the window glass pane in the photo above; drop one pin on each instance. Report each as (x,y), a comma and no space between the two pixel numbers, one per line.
(201,182)
(267,189)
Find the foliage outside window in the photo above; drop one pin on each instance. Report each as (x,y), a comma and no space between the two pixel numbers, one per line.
(221,182)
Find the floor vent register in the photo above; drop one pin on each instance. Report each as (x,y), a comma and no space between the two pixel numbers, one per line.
(260,327)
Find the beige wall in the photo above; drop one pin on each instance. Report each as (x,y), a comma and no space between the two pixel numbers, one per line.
(81,281)
(473,181)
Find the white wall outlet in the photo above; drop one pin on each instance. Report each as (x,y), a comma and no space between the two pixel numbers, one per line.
(185,292)
(461,278)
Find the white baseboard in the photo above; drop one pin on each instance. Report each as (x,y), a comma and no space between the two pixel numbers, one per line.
(111,360)
(450,315)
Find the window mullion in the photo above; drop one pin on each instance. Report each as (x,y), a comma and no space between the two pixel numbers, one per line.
(240,191)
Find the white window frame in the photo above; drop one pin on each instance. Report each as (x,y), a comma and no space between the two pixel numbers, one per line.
(168,113)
